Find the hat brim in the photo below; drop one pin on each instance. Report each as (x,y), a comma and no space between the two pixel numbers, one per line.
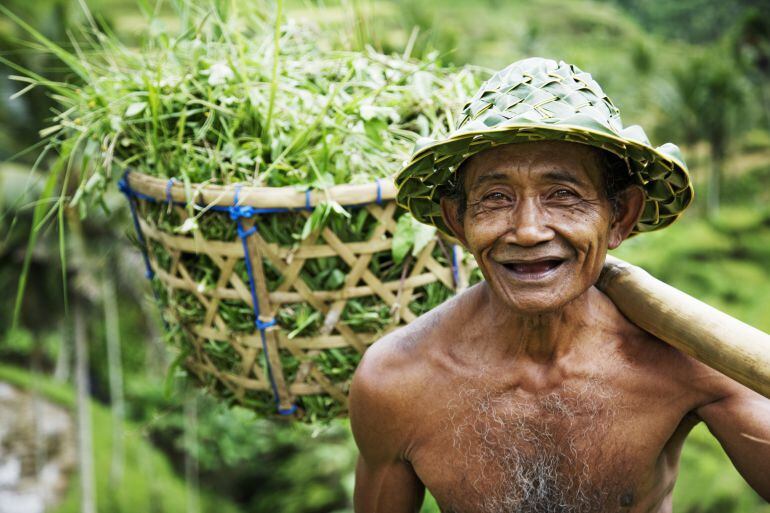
(660,171)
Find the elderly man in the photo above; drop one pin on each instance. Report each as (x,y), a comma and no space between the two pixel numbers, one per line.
(530,391)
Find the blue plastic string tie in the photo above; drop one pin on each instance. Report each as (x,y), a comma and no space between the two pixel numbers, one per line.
(287,411)
(379,191)
(123,184)
(307,200)
(169,184)
(237,213)
(125,188)
(263,325)
(455,265)
(243,234)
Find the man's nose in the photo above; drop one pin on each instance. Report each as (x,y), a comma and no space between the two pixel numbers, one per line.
(529,224)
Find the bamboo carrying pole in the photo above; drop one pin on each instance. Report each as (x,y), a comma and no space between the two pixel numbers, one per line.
(724,343)
(263,197)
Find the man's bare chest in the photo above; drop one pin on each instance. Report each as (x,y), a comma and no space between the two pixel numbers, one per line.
(587,447)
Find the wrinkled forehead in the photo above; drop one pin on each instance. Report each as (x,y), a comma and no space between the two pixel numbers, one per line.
(535,159)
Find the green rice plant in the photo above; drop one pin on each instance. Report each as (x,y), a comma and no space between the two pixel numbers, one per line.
(235,100)
(253,98)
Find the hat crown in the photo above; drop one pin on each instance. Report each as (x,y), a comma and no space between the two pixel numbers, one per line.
(541,91)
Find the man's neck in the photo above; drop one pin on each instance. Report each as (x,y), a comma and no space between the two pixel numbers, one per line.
(542,337)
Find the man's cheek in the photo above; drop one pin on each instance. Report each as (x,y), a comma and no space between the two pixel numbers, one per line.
(591,250)
(482,233)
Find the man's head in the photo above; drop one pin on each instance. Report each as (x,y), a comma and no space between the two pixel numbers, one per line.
(539,218)
(538,99)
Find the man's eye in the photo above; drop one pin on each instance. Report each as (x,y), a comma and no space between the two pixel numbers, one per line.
(495,196)
(563,193)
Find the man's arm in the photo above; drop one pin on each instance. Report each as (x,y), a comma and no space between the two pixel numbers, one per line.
(386,488)
(740,420)
(385,481)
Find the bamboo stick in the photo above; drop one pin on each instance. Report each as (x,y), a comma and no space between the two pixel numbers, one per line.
(724,343)
(261,197)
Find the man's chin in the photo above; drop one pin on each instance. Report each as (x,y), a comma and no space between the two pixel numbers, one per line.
(536,297)
(531,307)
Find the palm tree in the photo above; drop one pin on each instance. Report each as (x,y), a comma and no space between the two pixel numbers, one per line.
(751,47)
(706,101)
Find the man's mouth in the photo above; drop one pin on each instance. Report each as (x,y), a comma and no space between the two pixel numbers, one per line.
(533,270)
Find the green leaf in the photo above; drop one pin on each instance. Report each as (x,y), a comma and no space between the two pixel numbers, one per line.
(403,237)
(174,370)
(135,109)
(38,216)
(423,234)
(410,233)
(316,220)
(304,323)
(336,279)
(320,215)
(337,208)
(374,129)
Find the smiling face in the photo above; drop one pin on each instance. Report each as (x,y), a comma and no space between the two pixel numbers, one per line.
(539,222)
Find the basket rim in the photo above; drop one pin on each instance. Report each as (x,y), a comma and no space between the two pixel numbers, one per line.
(208,194)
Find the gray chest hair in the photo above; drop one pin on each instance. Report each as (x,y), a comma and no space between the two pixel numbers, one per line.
(546,455)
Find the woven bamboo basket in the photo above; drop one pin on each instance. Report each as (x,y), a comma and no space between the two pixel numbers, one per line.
(265,363)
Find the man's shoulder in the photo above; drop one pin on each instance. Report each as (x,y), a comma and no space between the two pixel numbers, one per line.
(396,366)
(383,390)
(389,361)
(656,359)
(643,347)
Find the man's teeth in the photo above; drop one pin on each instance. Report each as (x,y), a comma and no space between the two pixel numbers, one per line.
(533,267)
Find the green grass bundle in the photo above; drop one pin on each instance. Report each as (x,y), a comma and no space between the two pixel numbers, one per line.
(261,106)
(223,103)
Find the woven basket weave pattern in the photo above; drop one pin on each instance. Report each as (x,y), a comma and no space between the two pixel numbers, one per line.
(231,361)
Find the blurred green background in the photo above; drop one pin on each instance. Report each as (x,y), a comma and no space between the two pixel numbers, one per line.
(695,72)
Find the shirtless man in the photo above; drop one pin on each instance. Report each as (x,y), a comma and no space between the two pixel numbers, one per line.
(530,392)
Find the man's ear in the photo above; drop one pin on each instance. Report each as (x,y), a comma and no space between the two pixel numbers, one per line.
(449,214)
(630,204)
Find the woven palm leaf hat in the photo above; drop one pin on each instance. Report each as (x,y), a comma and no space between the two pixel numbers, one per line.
(536,99)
